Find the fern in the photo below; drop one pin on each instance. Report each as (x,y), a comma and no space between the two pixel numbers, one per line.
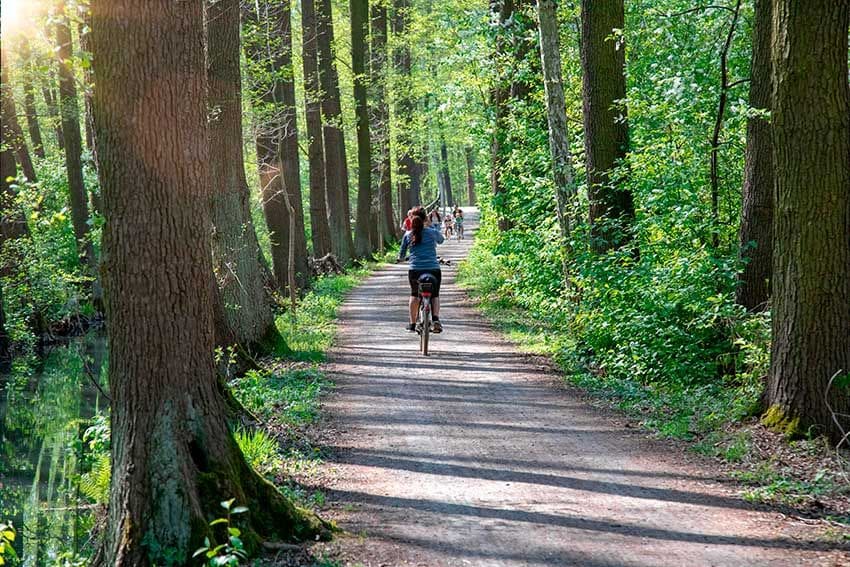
(95,484)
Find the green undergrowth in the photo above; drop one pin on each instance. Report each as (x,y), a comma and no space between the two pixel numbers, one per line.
(649,371)
(674,408)
(285,391)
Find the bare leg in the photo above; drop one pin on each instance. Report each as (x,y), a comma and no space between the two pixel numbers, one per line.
(435,306)
(413,304)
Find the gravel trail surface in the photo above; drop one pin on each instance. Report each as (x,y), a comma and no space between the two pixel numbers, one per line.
(479,455)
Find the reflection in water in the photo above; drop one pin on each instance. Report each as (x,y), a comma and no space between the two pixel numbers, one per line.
(45,406)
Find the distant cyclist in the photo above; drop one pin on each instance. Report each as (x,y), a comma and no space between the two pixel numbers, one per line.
(459,223)
(422,240)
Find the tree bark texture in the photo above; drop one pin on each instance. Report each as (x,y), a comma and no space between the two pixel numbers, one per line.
(248,314)
(69,112)
(29,102)
(756,231)
(606,132)
(811,259)
(359,29)
(556,114)
(320,229)
(269,48)
(336,167)
(500,93)
(173,457)
(12,133)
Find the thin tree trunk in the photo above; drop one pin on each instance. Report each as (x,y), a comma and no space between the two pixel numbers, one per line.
(13,223)
(559,140)
(248,315)
(173,457)
(70,115)
(53,114)
(606,132)
(403,108)
(359,29)
(336,172)
(811,258)
(445,174)
(756,233)
(13,134)
(269,48)
(320,229)
(381,115)
(5,342)
(470,176)
(714,174)
(29,102)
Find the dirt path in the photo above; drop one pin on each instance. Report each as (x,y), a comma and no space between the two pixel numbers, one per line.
(477,456)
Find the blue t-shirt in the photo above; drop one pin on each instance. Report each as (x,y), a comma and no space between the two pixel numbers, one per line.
(423,256)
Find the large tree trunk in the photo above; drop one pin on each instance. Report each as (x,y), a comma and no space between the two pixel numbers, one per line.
(173,457)
(756,233)
(381,123)
(320,229)
(29,102)
(559,140)
(499,95)
(470,176)
(606,133)
(336,167)
(248,314)
(12,132)
(359,29)
(72,140)
(269,49)
(811,267)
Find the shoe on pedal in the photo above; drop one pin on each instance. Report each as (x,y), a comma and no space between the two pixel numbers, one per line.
(437,327)
(411,327)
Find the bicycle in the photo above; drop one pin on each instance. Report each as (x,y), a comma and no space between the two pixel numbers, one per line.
(459,231)
(423,319)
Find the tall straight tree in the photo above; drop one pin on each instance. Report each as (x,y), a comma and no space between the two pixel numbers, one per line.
(269,48)
(382,169)
(470,176)
(13,135)
(756,232)
(503,15)
(173,456)
(29,101)
(407,170)
(320,229)
(336,166)
(69,112)
(559,141)
(359,29)
(248,317)
(445,174)
(606,133)
(811,256)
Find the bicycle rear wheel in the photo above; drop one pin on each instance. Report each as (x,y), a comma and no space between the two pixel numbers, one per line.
(425,333)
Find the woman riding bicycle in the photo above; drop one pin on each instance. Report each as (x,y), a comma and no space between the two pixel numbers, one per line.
(422,240)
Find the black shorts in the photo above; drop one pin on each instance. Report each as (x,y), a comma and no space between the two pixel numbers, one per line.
(413,278)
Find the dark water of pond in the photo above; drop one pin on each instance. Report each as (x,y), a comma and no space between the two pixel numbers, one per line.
(46,405)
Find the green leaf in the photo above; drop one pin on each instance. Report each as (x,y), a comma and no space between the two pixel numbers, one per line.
(218,521)
(239,510)
(234,532)
(228,503)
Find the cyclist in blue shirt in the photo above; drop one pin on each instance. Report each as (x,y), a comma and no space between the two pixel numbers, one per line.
(422,240)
